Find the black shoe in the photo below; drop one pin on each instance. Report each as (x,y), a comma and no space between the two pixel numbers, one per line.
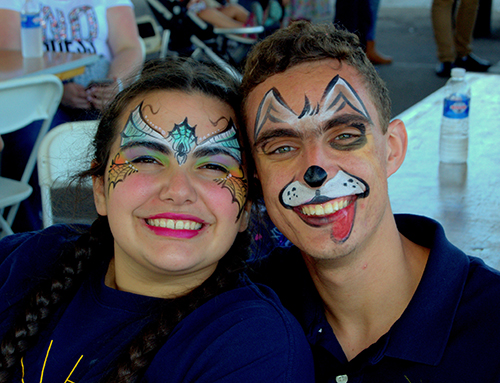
(472,63)
(444,69)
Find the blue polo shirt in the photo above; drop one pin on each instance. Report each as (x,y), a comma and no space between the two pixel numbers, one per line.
(450,331)
(241,335)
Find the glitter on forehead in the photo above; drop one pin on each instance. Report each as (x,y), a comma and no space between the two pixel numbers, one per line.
(136,127)
(227,139)
(182,139)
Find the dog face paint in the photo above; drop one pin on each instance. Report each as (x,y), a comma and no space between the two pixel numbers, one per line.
(320,155)
(314,199)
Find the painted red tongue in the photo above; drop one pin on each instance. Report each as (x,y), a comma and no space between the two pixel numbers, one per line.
(342,225)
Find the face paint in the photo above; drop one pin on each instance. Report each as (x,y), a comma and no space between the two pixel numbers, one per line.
(336,197)
(182,140)
(140,133)
(235,181)
(318,200)
(119,169)
(337,96)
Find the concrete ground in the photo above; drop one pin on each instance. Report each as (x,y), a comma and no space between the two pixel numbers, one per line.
(404,32)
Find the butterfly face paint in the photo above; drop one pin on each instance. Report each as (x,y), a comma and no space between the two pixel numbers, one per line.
(317,197)
(141,138)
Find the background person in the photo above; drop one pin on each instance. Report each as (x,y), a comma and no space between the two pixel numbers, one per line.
(154,290)
(360,17)
(381,298)
(103,27)
(453,27)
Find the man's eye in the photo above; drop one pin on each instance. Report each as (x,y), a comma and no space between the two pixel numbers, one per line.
(348,141)
(282,150)
(344,136)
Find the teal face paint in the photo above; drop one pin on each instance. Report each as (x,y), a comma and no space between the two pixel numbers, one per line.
(182,139)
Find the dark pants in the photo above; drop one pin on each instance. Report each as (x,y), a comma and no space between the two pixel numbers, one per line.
(356,16)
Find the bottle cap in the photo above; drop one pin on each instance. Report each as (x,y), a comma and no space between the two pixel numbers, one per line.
(458,72)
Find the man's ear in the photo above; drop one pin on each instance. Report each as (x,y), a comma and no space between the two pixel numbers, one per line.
(245,217)
(99,195)
(397,142)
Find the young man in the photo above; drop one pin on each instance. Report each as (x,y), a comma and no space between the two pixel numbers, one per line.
(382,298)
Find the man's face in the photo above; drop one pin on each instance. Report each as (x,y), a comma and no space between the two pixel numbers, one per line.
(321,157)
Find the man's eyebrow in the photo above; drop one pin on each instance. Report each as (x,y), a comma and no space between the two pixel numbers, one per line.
(276,133)
(156,146)
(205,151)
(356,120)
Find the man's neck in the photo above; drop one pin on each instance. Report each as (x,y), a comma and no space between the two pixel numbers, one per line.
(364,294)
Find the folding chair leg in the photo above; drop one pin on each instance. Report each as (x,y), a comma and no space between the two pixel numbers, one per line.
(30,167)
(216,59)
(6,230)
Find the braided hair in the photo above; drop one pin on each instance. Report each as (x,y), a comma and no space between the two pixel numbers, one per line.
(95,246)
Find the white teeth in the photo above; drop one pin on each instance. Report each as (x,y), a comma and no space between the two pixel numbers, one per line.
(174,224)
(325,209)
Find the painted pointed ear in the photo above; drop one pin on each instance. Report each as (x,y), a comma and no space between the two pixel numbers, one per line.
(272,108)
(397,144)
(99,195)
(338,94)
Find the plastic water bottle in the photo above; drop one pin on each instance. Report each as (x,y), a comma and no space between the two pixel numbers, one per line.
(454,134)
(31,29)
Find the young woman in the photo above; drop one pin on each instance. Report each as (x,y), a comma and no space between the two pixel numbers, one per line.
(154,290)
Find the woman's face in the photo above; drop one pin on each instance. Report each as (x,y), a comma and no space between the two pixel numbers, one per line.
(175,191)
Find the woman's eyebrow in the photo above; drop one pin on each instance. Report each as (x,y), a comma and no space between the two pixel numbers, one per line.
(156,146)
(213,151)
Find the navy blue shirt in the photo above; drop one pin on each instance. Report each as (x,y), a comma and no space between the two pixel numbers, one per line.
(450,331)
(242,335)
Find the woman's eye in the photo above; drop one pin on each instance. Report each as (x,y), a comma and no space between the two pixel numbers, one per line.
(145,160)
(215,167)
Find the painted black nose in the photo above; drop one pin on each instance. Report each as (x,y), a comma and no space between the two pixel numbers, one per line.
(315,176)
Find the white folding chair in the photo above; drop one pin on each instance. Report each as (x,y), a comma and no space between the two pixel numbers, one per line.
(150,33)
(22,101)
(65,151)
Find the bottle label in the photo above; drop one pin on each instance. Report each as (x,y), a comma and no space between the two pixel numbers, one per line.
(30,21)
(457,109)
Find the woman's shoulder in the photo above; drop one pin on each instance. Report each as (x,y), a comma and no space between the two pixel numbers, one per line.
(242,335)
(47,240)
(31,255)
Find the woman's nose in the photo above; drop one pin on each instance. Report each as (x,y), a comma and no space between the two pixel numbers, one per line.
(177,187)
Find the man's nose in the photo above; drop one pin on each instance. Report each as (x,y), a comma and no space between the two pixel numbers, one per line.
(315,176)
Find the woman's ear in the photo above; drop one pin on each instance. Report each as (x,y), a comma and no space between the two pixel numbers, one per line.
(245,217)
(397,142)
(99,195)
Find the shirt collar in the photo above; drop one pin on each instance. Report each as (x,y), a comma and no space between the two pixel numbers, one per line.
(422,332)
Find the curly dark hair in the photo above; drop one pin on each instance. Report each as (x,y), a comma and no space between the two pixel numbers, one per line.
(304,42)
(95,246)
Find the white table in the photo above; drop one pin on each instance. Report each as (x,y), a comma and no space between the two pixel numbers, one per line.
(63,65)
(463,198)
